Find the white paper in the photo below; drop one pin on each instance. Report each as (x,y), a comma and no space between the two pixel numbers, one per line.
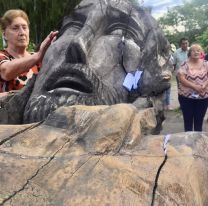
(131,80)
(128,81)
(137,77)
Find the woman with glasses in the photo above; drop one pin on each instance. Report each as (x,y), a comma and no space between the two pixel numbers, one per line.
(17,64)
(193,89)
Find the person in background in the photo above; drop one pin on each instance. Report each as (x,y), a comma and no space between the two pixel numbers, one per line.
(17,65)
(193,89)
(166,100)
(180,55)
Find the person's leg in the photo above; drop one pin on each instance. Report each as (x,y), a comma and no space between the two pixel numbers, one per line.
(166,99)
(199,113)
(186,105)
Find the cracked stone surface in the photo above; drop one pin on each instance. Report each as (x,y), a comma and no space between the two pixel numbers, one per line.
(100,155)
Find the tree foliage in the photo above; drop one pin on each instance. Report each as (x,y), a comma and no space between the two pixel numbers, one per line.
(203,39)
(189,20)
(44,15)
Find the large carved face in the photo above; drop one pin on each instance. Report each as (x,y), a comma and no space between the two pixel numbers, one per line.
(86,64)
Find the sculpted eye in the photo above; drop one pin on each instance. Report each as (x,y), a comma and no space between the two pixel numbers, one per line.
(117,32)
(73,26)
(120,30)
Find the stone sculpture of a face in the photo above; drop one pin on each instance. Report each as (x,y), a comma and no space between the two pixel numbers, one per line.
(85,64)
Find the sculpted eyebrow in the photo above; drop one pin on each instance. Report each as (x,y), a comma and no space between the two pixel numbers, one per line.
(76,19)
(115,16)
(79,7)
(117,19)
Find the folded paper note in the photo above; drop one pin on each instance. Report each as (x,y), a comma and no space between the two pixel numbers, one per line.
(131,80)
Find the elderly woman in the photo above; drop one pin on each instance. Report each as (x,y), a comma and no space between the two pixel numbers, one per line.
(17,65)
(193,89)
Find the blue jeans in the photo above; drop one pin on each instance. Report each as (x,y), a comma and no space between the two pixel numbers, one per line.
(166,99)
(193,111)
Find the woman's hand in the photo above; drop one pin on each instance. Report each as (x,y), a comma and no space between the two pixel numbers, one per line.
(46,43)
(198,88)
(204,85)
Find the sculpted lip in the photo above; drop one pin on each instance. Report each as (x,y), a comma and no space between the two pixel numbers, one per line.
(71,83)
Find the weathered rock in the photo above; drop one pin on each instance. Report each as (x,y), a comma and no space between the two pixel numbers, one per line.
(98,155)
(12,106)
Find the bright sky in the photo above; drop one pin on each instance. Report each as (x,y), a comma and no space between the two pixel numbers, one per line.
(159,7)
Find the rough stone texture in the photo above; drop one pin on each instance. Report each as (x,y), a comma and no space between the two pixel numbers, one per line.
(100,155)
(12,106)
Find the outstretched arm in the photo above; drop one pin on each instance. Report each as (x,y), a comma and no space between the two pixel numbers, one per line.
(11,69)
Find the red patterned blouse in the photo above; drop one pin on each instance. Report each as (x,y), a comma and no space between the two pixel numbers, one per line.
(18,82)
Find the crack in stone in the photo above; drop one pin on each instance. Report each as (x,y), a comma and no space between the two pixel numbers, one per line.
(166,196)
(34,175)
(23,156)
(125,136)
(84,164)
(20,132)
(79,167)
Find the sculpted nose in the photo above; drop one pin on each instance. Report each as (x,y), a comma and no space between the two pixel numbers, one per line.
(76,52)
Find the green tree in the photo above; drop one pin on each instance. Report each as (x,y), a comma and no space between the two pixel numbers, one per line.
(203,39)
(188,20)
(44,15)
